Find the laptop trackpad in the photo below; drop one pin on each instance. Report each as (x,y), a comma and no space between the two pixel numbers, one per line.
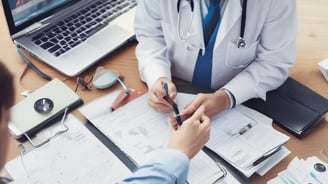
(110,38)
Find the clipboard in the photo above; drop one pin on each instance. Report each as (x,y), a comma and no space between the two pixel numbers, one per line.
(26,120)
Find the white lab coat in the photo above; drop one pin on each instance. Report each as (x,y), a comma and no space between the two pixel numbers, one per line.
(270,34)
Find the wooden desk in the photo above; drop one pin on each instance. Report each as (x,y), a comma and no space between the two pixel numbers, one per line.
(311,48)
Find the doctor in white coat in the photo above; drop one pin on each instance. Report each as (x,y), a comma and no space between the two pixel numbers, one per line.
(170,41)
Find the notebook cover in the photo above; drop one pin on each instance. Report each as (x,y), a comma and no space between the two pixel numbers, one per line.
(25,119)
(293,106)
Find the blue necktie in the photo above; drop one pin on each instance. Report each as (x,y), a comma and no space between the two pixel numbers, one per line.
(203,69)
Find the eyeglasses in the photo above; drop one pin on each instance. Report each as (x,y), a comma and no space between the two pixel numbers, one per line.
(84,82)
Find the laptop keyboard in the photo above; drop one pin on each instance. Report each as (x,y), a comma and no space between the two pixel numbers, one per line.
(77,28)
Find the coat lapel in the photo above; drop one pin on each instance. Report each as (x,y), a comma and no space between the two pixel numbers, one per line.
(231,15)
(197,38)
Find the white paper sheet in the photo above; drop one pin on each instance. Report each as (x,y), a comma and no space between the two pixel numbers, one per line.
(303,171)
(76,156)
(242,150)
(141,132)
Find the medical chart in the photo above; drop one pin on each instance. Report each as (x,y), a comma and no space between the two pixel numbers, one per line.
(75,156)
(141,133)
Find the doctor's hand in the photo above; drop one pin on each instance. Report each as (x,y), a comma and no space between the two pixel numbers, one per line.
(214,103)
(191,136)
(157,92)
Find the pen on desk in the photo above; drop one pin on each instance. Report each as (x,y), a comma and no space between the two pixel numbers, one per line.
(174,105)
(267,155)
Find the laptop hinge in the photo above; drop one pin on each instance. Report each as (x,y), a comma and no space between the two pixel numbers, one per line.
(46,21)
(30,30)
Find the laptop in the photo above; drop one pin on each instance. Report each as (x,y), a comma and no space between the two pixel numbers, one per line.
(70,35)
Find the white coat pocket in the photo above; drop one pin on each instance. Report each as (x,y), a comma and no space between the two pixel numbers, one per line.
(240,58)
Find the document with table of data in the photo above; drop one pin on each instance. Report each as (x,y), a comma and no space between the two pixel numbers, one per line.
(75,156)
(141,133)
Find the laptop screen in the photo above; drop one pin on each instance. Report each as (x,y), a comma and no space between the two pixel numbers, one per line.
(25,10)
(22,13)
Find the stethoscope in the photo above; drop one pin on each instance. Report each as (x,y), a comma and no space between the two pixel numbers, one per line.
(43,105)
(241,43)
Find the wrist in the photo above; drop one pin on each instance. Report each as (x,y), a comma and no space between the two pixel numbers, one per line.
(222,98)
(231,98)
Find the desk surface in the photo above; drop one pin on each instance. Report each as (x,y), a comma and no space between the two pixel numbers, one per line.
(311,48)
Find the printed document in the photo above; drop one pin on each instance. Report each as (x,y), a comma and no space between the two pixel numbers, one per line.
(241,136)
(309,170)
(75,156)
(141,133)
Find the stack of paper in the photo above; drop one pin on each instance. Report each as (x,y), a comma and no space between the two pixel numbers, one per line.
(141,132)
(76,156)
(245,138)
(241,136)
(311,170)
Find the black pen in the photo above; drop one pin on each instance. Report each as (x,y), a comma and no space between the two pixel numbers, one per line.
(264,157)
(174,105)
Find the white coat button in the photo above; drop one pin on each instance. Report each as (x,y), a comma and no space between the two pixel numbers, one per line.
(190,48)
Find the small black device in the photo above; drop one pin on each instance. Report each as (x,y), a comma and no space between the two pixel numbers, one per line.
(319,167)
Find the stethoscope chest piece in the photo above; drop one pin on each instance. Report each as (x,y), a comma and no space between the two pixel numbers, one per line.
(43,105)
(241,43)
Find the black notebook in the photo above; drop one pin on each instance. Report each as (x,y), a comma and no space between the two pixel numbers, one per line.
(293,106)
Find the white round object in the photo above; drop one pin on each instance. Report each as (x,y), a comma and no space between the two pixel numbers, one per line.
(105,79)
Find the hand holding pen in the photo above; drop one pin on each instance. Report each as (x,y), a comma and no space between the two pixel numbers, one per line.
(190,137)
(156,93)
(173,104)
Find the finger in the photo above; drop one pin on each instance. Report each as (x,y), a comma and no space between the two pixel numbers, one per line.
(153,96)
(172,90)
(156,98)
(205,120)
(173,123)
(188,113)
(191,107)
(207,126)
(199,113)
(160,107)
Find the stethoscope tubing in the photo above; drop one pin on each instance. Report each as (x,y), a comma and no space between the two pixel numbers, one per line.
(241,43)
